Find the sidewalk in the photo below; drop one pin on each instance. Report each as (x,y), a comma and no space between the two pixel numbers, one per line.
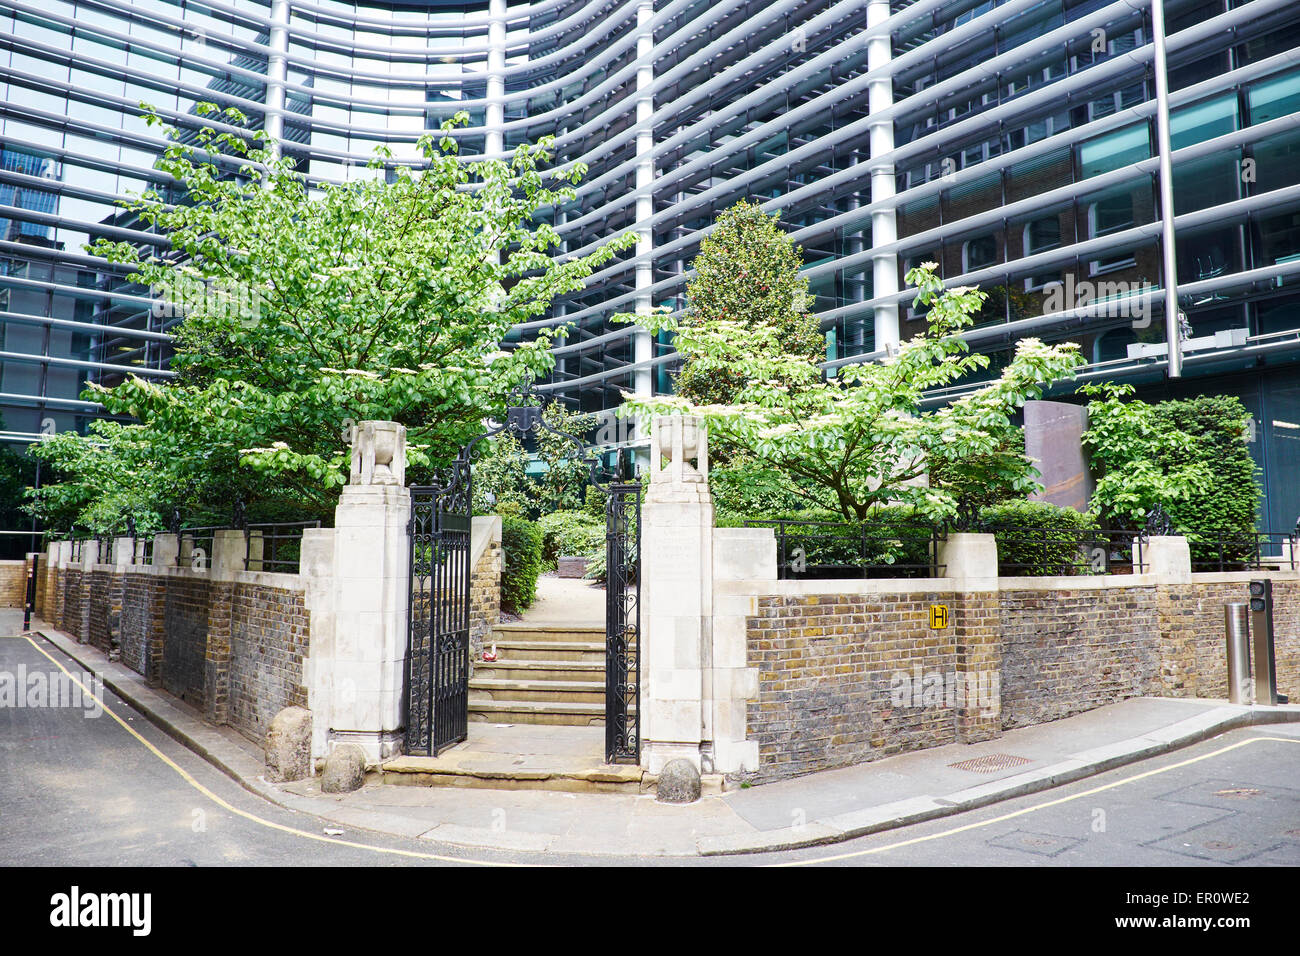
(819,808)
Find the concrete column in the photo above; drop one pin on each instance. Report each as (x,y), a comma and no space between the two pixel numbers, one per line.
(228,549)
(123,554)
(884,221)
(1167,556)
(316,570)
(676,597)
(739,554)
(366,669)
(165,550)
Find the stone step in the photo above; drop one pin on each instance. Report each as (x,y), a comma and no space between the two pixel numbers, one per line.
(440,772)
(537,712)
(556,691)
(534,670)
(565,633)
(586,651)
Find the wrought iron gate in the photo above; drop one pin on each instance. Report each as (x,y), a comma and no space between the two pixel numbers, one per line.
(622,624)
(437,660)
(437,663)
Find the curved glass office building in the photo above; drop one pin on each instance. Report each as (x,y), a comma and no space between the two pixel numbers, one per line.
(1014,143)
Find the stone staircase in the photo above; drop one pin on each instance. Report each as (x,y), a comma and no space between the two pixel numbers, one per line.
(545,673)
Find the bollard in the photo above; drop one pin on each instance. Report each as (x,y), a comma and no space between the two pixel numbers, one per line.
(1237,634)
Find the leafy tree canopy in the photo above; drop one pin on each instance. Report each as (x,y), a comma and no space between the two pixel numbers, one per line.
(747,269)
(864,437)
(308,309)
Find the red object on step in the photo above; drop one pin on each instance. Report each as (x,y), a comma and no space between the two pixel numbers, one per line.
(491,655)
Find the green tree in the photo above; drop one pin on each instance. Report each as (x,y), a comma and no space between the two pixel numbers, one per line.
(864,437)
(747,269)
(307,309)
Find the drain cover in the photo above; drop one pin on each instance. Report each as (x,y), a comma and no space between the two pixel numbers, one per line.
(990,764)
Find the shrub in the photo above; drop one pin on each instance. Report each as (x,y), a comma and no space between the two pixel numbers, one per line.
(593,503)
(1038,538)
(521,545)
(891,537)
(569,533)
(1190,457)
(743,488)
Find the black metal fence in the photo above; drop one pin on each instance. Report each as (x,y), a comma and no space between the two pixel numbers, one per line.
(828,549)
(1067,551)
(275,545)
(1242,550)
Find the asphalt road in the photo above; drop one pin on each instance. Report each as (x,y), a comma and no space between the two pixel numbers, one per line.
(82,787)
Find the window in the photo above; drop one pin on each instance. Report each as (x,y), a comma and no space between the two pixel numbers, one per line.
(979,252)
(1110,214)
(1041,235)
(1114,150)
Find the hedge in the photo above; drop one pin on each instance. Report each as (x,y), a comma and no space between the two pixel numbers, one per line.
(1038,538)
(521,545)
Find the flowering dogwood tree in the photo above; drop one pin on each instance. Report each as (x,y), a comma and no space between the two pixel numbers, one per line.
(308,308)
(864,436)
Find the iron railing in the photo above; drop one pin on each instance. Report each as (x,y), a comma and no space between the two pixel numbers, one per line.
(829,549)
(1242,550)
(1067,551)
(194,546)
(275,545)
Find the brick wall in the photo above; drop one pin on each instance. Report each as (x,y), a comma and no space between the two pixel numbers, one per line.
(828,663)
(268,644)
(104,611)
(484,598)
(143,624)
(1203,612)
(830,673)
(185,637)
(13,583)
(1068,651)
(70,609)
(234,649)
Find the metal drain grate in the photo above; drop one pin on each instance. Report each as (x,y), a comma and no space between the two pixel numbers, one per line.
(990,764)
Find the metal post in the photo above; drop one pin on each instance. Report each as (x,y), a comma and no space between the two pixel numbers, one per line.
(30,604)
(1173,327)
(1261,632)
(1236,631)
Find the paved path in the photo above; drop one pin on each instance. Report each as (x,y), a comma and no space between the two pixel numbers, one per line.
(88,787)
(566,601)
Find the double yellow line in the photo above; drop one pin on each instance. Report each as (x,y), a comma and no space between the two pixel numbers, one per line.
(225,805)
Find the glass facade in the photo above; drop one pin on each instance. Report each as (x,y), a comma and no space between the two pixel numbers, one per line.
(1013,143)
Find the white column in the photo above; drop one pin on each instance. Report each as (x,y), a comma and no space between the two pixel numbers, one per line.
(1168,249)
(676,598)
(884,222)
(276,72)
(365,667)
(496,80)
(642,343)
